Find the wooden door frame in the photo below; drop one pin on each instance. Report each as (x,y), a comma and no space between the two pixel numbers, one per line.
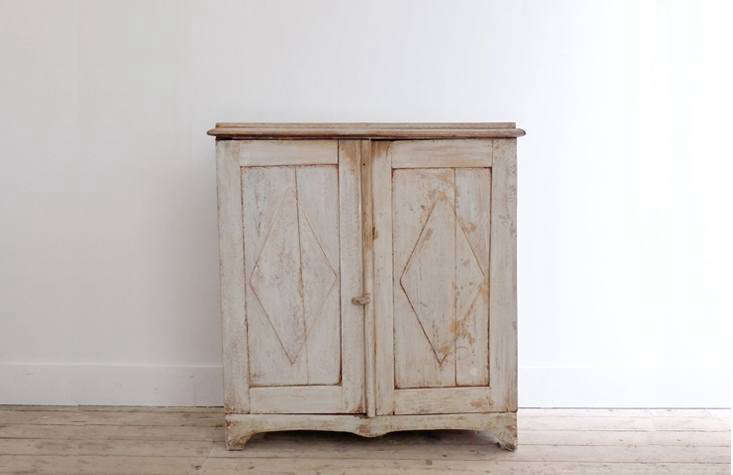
(500,395)
(239,398)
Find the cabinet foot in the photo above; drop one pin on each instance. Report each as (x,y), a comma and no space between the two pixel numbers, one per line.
(507,438)
(237,441)
(508,443)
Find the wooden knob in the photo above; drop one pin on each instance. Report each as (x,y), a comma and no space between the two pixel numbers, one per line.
(362,299)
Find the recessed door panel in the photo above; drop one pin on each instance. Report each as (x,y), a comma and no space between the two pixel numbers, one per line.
(441,260)
(290,216)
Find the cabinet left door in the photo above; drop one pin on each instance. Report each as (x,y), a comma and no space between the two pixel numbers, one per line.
(290,261)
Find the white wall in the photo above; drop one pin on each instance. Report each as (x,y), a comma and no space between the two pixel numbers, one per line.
(108,271)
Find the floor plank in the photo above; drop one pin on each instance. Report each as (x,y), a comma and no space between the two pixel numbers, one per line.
(109,465)
(691,423)
(429,466)
(121,440)
(315,448)
(110,432)
(127,418)
(134,448)
(470,438)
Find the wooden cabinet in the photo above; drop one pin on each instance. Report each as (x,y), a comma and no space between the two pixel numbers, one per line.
(368,277)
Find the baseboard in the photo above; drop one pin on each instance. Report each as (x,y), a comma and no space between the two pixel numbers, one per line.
(159,385)
(150,385)
(624,387)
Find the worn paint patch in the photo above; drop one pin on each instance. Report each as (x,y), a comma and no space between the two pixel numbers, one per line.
(478,404)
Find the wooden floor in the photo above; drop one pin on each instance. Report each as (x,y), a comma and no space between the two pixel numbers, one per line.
(107,440)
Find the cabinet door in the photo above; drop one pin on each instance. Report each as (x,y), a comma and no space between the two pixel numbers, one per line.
(444,275)
(290,263)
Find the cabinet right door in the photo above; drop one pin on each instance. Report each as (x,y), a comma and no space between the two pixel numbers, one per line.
(444,244)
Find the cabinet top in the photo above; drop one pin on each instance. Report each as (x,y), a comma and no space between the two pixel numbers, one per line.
(365,130)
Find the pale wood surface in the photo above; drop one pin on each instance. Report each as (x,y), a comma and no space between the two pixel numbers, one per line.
(318,198)
(441,256)
(292,266)
(442,400)
(287,152)
(230,130)
(381,172)
(363,149)
(441,153)
(297,400)
(248,424)
(131,440)
(352,316)
(275,314)
(300,222)
(231,279)
(473,215)
(435,203)
(433,225)
(503,281)
(423,247)
(371,125)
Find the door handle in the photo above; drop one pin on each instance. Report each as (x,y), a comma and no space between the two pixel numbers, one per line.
(362,299)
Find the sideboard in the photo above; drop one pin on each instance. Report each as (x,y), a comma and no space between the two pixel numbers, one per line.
(368,277)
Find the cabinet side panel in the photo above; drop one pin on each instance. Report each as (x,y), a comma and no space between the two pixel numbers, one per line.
(473,212)
(503,277)
(231,278)
(423,280)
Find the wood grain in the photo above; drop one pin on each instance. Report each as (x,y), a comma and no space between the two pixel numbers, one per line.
(495,422)
(289,152)
(319,208)
(383,304)
(71,439)
(375,276)
(473,227)
(441,153)
(439,248)
(275,313)
(231,279)
(363,148)
(297,400)
(442,400)
(503,282)
(352,276)
(228,130)
(302,247)
(424,288)
(371,125)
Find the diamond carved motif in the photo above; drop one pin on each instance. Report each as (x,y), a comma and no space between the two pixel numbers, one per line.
(292,277)
(429,279)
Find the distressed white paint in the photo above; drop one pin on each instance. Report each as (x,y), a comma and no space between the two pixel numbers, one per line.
(290,214)
(448,238)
